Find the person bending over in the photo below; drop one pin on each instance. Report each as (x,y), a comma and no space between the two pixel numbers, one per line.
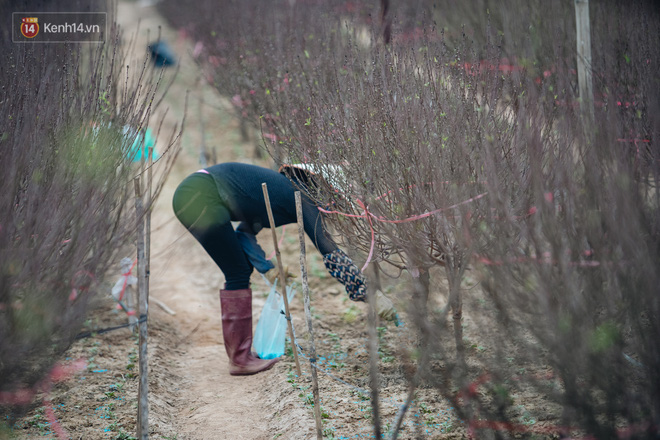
(207,201)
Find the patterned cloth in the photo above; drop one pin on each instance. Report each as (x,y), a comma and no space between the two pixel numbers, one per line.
(346,272)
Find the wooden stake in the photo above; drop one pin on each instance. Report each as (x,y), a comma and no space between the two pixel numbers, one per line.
(585,83)
(203,153)
(308,316)
(150,201)
(282,277)
(373,360)
(143,295)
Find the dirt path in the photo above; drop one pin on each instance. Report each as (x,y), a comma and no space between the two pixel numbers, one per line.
(208,403)
(191,394)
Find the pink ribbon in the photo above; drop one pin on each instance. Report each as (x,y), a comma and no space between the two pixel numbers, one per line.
(369,216)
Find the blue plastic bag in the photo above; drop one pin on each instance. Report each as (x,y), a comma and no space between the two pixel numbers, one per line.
(141,144)
(269,335)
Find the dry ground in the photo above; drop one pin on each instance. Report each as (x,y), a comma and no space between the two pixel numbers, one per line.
(192,396)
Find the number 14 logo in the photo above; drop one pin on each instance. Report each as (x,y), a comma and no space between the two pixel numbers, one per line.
(29,27)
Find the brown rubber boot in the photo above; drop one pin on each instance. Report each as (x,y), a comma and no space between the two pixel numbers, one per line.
(236,308)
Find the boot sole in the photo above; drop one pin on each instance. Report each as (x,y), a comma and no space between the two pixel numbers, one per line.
(235,370)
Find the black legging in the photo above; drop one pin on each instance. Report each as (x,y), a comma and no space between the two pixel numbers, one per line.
(206,215)
(207,203)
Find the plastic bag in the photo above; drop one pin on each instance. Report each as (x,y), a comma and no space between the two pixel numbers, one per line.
(126,279)
(269,335)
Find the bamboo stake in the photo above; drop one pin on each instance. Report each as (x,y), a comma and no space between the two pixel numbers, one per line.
(585,83)
(143,295)
(203,153)
(282,277)
(163,306)
(148,218)
(373,360)
(308,316)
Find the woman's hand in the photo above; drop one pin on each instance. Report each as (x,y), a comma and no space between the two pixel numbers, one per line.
(384,307)
(274,274)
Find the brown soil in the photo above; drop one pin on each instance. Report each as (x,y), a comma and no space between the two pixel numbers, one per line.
(191,394)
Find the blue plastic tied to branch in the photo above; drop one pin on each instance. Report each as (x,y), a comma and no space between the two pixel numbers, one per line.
(271,329)
(143,141)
